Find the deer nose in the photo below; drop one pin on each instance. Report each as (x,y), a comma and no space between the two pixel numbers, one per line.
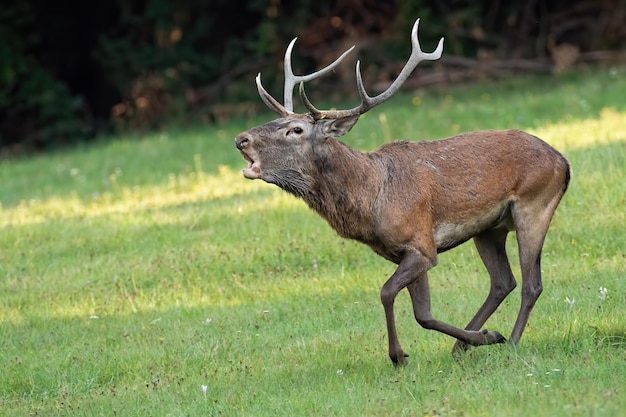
(242,141)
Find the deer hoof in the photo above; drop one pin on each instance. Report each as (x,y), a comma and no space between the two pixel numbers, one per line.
(499,338)
(493,337)
(488,338)
(399,361)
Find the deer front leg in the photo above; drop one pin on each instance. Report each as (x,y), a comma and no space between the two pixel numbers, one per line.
(413,264)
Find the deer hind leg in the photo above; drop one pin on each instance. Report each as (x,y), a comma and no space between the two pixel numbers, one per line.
(492,251)
(531,223)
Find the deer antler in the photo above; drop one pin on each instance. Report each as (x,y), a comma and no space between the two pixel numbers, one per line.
(291,80)
(367,102)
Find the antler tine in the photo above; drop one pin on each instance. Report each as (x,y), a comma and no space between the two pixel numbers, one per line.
(417,56)
(319,114)
(291,80)
(269,100)
(367,102)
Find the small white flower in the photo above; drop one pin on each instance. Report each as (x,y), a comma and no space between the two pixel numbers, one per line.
(603,293)
(207,321)
(570,302)
(204,389)
(339,372)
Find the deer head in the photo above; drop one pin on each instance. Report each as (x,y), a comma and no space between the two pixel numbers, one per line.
(279,148)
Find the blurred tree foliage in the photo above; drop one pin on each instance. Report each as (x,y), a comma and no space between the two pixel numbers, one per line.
(35,106)
(71,69)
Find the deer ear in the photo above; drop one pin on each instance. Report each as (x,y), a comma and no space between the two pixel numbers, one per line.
(338,127)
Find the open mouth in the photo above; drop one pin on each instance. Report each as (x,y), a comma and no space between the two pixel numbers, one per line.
(252,171)
(248,159)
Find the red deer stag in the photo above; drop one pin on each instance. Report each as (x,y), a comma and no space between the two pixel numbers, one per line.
(410,201)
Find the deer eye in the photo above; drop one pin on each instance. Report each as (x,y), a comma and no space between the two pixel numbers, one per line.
(297,130)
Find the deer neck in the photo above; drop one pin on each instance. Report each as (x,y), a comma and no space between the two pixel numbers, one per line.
(344,186)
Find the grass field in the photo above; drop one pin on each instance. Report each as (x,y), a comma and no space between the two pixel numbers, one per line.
(143,276)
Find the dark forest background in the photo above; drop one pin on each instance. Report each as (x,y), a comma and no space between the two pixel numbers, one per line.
(70,70)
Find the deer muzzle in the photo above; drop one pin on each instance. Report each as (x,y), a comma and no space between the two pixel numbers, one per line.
(243,142)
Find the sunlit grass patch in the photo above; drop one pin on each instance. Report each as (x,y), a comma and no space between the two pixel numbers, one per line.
(180,189)
(609,127)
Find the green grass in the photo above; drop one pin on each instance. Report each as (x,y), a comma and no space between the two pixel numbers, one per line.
(137,270)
